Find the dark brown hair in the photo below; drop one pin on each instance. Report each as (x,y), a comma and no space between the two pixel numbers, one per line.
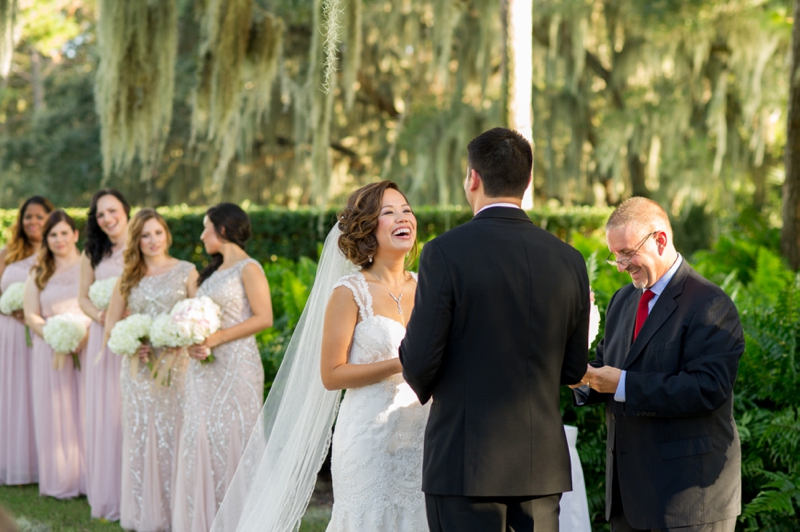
(19,245)
(503,158)
(98,245)
(232,224)
(358,222)
(46,265)
(135,268)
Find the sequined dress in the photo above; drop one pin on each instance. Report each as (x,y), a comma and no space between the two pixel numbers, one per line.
(377,443)
(151,415)
(223,400)
(103,413)
(18,464)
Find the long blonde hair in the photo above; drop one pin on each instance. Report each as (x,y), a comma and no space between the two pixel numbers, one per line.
(135,268)
(46,264)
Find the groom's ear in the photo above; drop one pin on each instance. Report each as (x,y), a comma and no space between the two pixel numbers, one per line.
(473,180)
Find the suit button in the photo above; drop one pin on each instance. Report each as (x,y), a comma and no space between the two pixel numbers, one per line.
(613,416)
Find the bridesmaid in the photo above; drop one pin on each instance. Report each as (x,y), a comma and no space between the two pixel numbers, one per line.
(17,441)
(106,234)
(223,397)
(58,394)
(151,283)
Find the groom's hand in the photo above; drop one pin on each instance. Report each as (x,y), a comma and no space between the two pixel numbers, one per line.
(604,379)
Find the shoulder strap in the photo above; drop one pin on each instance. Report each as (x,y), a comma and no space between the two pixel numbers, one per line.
(358,285)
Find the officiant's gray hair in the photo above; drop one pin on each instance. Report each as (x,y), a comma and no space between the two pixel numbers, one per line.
(640,212)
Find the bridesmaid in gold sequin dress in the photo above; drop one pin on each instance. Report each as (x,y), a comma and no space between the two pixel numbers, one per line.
(151,283)
(223,396)
(106,234)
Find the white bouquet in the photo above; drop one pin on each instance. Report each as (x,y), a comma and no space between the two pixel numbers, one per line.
(197,318)
(13,298)
(164,332)
(128,334)
(100,292)
(64,333)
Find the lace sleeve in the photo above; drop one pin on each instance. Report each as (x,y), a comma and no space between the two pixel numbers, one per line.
(351,283)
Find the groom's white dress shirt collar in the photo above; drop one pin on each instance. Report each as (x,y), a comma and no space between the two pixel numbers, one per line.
(511,205)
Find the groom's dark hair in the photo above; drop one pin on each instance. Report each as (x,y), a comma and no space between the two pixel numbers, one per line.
(503,158)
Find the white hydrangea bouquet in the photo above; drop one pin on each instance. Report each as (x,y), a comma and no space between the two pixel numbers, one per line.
(100,292)
(196,319)
(190,322)
(64,333)
(13,298)
(164,332)
(128,335)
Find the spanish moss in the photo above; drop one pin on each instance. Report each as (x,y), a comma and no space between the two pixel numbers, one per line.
(135,82)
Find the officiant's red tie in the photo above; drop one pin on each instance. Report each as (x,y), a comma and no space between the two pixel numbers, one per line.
(642,311)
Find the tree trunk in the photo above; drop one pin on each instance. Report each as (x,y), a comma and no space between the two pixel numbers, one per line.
(636,168)
(8,10)
(37,82)
(519,49)
(790,234)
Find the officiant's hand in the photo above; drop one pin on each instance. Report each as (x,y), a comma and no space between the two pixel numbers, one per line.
(603,380)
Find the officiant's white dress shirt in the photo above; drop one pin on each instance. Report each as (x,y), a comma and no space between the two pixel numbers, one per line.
(657,288)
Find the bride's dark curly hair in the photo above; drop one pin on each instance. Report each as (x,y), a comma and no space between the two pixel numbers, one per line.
(358,222)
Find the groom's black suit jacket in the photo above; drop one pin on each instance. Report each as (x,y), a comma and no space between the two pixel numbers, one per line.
(673,442)
(500,322)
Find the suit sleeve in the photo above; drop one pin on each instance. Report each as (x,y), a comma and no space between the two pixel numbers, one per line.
(709,354)
(423,347)
(577,348)
(584,395)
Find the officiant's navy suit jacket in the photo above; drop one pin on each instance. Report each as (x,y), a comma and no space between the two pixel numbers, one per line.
(673,441)
(500,321)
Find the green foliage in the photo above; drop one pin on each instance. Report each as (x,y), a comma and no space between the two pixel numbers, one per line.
(290,285)
(767,295)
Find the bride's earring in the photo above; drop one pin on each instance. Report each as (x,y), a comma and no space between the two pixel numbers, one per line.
(370,259)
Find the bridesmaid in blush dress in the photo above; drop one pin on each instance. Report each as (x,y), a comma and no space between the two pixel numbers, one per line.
(151,283)
(18,463)
(223,396)
(58,394)
(106,234)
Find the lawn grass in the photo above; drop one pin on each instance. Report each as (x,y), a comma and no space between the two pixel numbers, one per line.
(46,514)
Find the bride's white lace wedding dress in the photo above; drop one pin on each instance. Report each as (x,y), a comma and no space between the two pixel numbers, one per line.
(377,443)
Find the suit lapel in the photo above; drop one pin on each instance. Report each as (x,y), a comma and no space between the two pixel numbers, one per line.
(661,312)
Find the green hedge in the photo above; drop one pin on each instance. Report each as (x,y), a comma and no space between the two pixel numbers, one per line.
(291,234)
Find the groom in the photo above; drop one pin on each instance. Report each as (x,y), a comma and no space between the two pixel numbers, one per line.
(500,322)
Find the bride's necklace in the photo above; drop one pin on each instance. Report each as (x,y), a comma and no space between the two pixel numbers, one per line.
(396,299)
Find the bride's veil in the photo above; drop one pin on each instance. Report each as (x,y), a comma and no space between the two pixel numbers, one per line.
(276,475)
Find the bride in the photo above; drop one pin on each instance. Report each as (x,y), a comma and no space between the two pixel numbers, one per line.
(347,338)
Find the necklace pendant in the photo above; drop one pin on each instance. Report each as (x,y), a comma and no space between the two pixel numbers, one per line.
(399,309)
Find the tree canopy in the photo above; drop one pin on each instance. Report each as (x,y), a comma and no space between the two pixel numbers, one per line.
(187,101)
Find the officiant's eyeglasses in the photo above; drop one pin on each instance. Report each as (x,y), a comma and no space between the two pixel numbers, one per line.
(625,261)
